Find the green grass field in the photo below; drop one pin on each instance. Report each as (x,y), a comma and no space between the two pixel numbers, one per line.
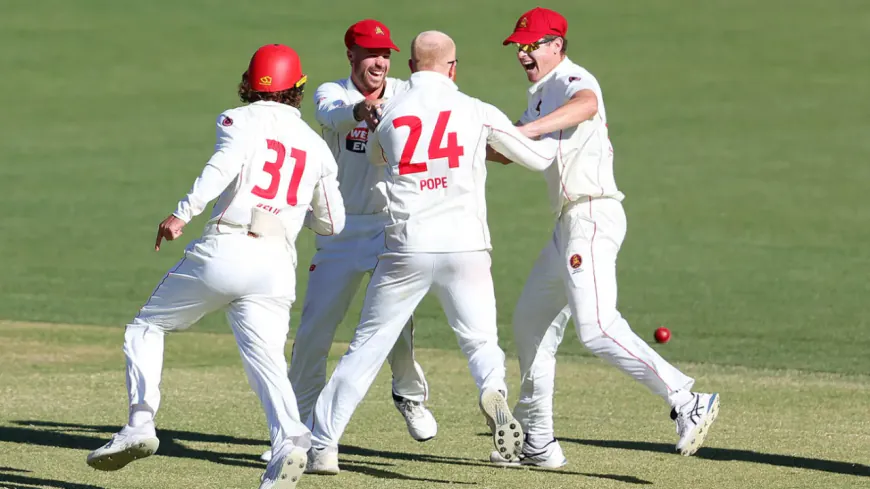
(741,136)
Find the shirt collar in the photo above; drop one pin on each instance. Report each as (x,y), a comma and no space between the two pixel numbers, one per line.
(431,78)
(555,71)
(269,103)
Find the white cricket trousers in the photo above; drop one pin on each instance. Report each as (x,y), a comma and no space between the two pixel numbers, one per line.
(463,284)
(575,275)
(254,279)
(334,276)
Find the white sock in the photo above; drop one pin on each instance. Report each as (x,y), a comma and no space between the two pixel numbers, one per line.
(140,416)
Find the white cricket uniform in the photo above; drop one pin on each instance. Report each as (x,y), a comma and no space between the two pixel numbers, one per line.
(433,140)
(267,169)
(342,260)
(575,273)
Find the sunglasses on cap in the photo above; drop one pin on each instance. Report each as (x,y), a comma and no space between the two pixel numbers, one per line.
(528,48)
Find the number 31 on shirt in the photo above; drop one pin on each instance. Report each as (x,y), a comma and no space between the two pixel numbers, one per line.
(452,151)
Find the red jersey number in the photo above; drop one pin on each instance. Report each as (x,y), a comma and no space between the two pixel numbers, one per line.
(273,168)
(452,151)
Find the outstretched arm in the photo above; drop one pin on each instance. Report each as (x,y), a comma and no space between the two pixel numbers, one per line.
(582,106)
(222,168)
(507,140)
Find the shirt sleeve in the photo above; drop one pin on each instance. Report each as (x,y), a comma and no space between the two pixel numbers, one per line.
(221,170)
(326,216)
(510,142)
(526,118)
(576,82)
(331,109)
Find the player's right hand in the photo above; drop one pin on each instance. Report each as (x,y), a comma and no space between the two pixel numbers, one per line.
(370,111)
(169,229)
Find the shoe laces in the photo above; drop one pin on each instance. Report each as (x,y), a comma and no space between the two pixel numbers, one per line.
(689,414)
(412,409)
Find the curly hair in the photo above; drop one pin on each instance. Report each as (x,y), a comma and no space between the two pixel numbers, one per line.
(291,96)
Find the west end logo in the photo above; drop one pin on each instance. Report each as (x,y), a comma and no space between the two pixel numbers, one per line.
(356,140)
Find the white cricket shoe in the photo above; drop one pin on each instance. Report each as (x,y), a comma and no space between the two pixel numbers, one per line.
(693,420)
(507,434)
(421,423)
(266,456)
(127,445)
(323,461)
(284,471)
(549,457)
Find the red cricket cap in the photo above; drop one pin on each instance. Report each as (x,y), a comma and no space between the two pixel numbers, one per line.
(369,34)
(275,67)
(537,23)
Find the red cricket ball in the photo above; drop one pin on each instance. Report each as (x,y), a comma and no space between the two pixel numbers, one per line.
(663,335)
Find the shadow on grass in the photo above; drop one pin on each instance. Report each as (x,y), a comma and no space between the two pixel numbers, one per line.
(367,469)
(88,437)
(735,455)
(438,459)
(17,481)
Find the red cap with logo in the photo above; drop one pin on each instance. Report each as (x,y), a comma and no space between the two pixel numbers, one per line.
(537,23)
(275,67)
(369,34)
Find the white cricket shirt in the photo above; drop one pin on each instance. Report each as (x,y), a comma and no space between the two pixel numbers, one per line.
(362,185)
(584,160)
(433,140)
(267,157)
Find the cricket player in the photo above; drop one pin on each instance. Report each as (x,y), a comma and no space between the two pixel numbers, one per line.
(267,169)
(575,274)
(345,109)
(432,140)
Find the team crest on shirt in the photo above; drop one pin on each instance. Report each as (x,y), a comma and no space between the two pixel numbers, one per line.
(226,121)
(312,267)
(576,262)
(572,79)
(356,139)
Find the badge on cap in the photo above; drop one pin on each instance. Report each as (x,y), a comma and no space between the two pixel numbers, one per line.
(266,80)
(524,22)
(379,31)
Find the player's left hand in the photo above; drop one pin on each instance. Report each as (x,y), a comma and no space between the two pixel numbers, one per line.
(169,229)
